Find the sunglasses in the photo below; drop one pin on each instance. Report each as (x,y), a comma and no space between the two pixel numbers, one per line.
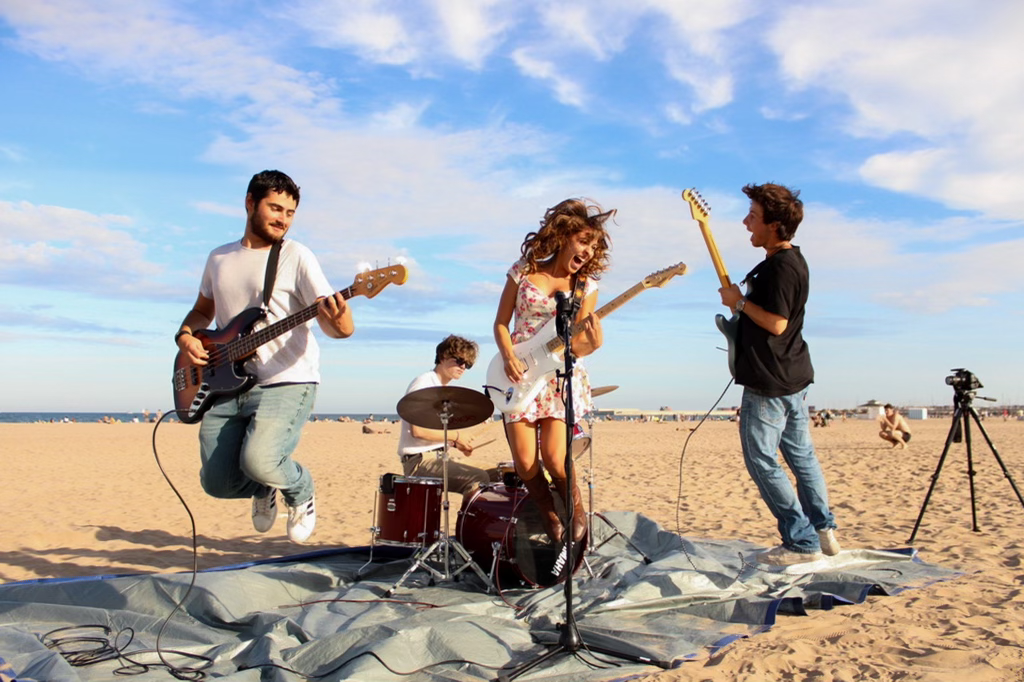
(465,364)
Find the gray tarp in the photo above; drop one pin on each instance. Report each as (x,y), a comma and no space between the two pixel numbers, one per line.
(328,614)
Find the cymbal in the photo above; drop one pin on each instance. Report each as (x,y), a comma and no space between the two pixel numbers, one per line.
(465,407)
(601,390)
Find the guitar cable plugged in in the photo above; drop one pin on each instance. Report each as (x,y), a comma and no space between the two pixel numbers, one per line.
(508,393)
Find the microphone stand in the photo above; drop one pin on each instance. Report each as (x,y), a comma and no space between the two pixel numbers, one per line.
(570,641)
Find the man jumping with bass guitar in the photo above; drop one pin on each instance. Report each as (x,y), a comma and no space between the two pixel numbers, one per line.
(247,439)
(773,365)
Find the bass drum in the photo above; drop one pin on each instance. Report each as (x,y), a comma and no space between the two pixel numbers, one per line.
(506,516)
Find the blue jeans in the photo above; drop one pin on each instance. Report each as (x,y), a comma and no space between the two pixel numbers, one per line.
(768,425)
(246,443)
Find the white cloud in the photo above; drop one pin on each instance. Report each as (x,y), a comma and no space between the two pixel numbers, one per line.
(473,28)
(150,44)
(874,260)
(61,248)
(374,29)
(947,73)
(566,90)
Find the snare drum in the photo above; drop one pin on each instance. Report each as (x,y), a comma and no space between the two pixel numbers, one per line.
(408,510)
(501,514)
(580,440)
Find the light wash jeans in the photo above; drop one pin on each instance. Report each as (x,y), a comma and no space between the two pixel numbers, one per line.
(246,443)
(768,425)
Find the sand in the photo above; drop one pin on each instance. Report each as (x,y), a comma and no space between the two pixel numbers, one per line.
(89,499)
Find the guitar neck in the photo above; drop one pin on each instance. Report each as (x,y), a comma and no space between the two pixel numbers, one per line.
(716,258)
(247,345)
(555,344)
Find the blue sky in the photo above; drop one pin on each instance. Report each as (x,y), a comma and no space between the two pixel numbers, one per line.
(439,131)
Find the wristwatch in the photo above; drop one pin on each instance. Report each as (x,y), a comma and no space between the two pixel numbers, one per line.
(740,305)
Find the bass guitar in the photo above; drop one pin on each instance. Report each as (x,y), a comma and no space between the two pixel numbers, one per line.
(541,354)
(196,387)
(701,212)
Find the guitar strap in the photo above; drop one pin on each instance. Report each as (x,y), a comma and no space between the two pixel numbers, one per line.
(268,280)
(577,292)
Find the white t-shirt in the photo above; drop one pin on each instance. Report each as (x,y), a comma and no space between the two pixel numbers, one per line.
(409,444)
(233,279)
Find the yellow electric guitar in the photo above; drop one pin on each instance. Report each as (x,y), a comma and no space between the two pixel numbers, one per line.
(701,212)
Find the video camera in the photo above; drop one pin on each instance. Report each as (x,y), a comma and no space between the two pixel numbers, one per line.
(963,381)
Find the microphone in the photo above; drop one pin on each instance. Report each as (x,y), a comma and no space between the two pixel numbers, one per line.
(563,312)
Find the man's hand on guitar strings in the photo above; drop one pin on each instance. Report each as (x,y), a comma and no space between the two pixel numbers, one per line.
(193,347)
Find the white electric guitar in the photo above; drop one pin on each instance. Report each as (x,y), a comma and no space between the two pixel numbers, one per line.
(542,353)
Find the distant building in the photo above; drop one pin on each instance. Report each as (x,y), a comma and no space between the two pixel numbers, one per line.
(872,409)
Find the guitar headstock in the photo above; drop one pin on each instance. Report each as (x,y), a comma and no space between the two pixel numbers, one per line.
(658,279)
(699,208)
(371,282)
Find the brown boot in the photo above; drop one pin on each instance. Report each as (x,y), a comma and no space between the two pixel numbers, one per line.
(579,516)
(540,493)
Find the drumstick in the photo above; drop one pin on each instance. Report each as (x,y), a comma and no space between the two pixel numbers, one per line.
(485,430)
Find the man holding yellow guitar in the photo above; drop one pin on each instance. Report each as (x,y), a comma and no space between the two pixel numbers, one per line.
(773,364)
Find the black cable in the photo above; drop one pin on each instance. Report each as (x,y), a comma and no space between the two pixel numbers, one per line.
(80,648)
(183,673)
(84,648)
(682,455)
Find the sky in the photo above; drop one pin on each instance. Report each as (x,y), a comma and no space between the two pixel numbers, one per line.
(436,132)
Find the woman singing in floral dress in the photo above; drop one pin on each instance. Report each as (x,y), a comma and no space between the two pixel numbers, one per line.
(570,248)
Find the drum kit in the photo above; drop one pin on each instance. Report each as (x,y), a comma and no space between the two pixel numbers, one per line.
(498,524)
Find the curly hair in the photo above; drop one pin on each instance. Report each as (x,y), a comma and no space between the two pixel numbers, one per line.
(780,205)
(560,223)
(455,347)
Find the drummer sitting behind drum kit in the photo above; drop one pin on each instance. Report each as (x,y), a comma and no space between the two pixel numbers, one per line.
(419,448)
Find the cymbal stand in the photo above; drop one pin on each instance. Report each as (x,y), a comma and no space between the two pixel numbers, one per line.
(591,547)
(444,544)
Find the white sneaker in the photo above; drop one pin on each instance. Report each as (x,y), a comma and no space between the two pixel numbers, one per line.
(780,556)
(264,510)
(829,543)
(302,520)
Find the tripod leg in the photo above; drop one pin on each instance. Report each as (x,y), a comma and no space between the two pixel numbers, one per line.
(970,469)
(1002,466)
(616,531)
(938,469)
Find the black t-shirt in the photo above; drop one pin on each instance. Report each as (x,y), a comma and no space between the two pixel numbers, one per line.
(776,365)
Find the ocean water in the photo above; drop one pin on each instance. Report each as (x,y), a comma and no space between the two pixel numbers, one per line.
(129,417)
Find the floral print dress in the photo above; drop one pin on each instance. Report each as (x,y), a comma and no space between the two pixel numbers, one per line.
(533,310)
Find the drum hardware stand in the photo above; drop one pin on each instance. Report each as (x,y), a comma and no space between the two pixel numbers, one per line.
(965,385)
(445,543)
(570,641)
(591,514)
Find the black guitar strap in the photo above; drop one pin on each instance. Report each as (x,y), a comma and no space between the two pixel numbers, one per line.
(268,280)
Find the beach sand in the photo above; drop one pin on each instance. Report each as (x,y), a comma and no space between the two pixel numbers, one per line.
(89,499)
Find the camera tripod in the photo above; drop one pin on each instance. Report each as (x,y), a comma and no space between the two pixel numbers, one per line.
(961,426)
